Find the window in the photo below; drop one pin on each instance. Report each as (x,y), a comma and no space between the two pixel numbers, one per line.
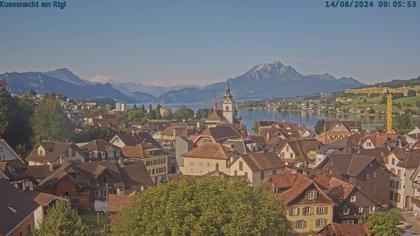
(308,211)
(397,185)
(282,154)
(246,174)
(320,223)
(353,198)
(391,183)
(300,224)
(367,176)
(360,209)
(287,148)
(393,161)
(346,211)
(311,194)
(391,196)
(241,165)
(371,210)
(262,174)
(235,173)
(347,222)
(294,211)
(321,210)
(399,172)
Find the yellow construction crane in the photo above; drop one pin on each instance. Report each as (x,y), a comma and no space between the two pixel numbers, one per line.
(389,93)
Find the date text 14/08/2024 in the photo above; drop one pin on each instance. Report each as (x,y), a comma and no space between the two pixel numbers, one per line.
(369,4)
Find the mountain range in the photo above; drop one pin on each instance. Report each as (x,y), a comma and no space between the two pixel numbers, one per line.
(263,81)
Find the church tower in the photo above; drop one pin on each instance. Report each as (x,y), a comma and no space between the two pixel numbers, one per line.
(228,106)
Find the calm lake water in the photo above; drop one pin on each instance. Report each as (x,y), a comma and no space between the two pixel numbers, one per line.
(249,116)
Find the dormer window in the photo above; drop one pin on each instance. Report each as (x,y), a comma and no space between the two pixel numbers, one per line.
(353,198)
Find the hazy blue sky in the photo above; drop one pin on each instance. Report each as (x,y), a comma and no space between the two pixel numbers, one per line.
(174,41)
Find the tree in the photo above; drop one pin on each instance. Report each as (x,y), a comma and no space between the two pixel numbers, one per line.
(203,206)
(385,224)
(319,126)
(203,113)
(403,123)
(62,220)
(183,113)
(158,116)
(15,121)
(50,121)
(89,133)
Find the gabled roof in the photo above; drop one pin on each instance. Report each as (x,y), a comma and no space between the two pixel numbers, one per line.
(262,161)
(329,125)
(130,175)
(99,145)
(237,144)
(216,116)
(288,179)
(335,229)
(211,151)
(137,138)
(53,151)
(221,133)
(350,163)
(339,190)
(258,139)
(15,207)
(13,170)
(299,188)
(411,159)
(300,147)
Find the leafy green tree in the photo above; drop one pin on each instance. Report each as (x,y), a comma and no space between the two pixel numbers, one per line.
(183,113)
(403,123)
(384,224)
(50,121)
(203,113)
(15,121)
(62,220)
(89,133)
(136,115)
(319,126)
(203,206)
(158,116)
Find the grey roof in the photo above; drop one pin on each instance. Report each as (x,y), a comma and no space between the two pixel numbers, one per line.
(15,206)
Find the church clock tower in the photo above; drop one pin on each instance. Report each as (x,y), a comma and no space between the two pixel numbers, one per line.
(228,106)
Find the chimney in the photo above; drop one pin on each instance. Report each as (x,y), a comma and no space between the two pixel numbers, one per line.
(50,167)
(121,162)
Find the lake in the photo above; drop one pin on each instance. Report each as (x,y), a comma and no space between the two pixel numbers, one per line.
(249,116)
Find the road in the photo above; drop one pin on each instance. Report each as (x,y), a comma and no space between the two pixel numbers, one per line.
(410,219)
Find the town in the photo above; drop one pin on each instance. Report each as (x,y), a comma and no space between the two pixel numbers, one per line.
(103,160)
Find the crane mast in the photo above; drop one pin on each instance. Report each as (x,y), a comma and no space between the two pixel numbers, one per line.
(389,92)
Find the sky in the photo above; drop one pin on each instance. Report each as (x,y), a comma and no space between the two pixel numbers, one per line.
(168,42)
